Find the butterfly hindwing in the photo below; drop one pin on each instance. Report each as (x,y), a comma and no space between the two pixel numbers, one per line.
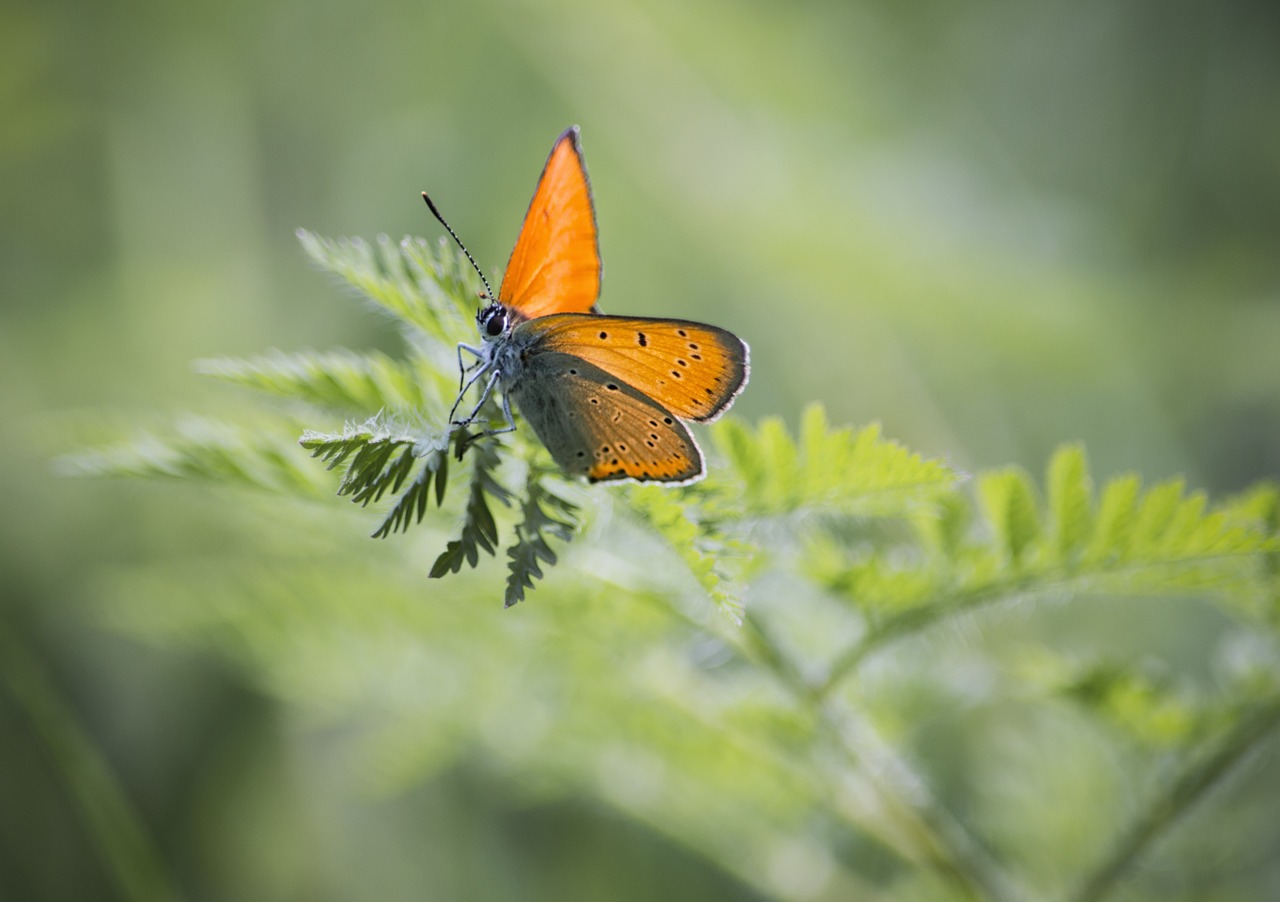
(692,369)
(555,265)
(595,425)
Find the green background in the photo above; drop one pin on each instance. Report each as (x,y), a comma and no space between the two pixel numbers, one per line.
(993,227)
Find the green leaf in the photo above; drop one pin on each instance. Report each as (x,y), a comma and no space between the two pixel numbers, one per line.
(377,458)
(709,554)
(1117,511)
(1139,544)
(1260,504)
(423,285)
(338,380)
(204,449)
(836,470)
(1155,512)
(944,526)
(1141,702)
(876,585)
(545,514)
(411,506)
(1009,503)
(1070,503)
(479,529)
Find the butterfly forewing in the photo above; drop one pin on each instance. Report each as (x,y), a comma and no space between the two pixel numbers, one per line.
(555,266)
(692,369)
(595,425)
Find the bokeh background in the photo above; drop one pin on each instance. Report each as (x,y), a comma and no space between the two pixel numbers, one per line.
(992,226)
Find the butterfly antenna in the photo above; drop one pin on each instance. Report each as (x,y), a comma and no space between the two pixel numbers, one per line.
(454,235)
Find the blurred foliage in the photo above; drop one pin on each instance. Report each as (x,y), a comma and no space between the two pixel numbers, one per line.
(751,738)
(992,227)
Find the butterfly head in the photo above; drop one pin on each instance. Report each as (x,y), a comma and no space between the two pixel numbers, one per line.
(493,321)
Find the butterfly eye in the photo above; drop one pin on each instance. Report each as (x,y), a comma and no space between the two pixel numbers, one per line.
(495,323)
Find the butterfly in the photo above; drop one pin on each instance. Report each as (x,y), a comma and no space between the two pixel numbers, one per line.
(607,395)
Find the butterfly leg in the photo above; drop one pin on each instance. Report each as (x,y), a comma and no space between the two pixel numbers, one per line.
(466,439)
(484,396)
(506,409)
(463,370)
(465,387)
(506,412)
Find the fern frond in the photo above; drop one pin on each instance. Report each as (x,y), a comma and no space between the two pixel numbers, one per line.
(444,276)
(1159,542)
(205,449)
(837,470)
(411,506)
(1260,504)
(1069,502)
(377,459)
(1180,788)
(944,527)
(420,284)
(1133,541)
(479,529)
(876,584)
(338,380)
(1141,703)
(1260,507)
(545,515)
(1009,503)
(1115,526)
(1148,710)
(681,521)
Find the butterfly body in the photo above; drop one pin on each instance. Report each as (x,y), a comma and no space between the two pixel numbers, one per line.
(605,394)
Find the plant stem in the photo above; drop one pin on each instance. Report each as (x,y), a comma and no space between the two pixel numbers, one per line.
(1187,788)
(1045,582)
(938,839)
(916,619)
(128,853)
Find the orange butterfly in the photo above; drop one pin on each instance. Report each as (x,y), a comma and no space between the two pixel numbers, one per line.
(605,394)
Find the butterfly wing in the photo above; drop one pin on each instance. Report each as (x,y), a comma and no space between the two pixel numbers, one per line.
(692,369)
(597,426)
(555,266)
